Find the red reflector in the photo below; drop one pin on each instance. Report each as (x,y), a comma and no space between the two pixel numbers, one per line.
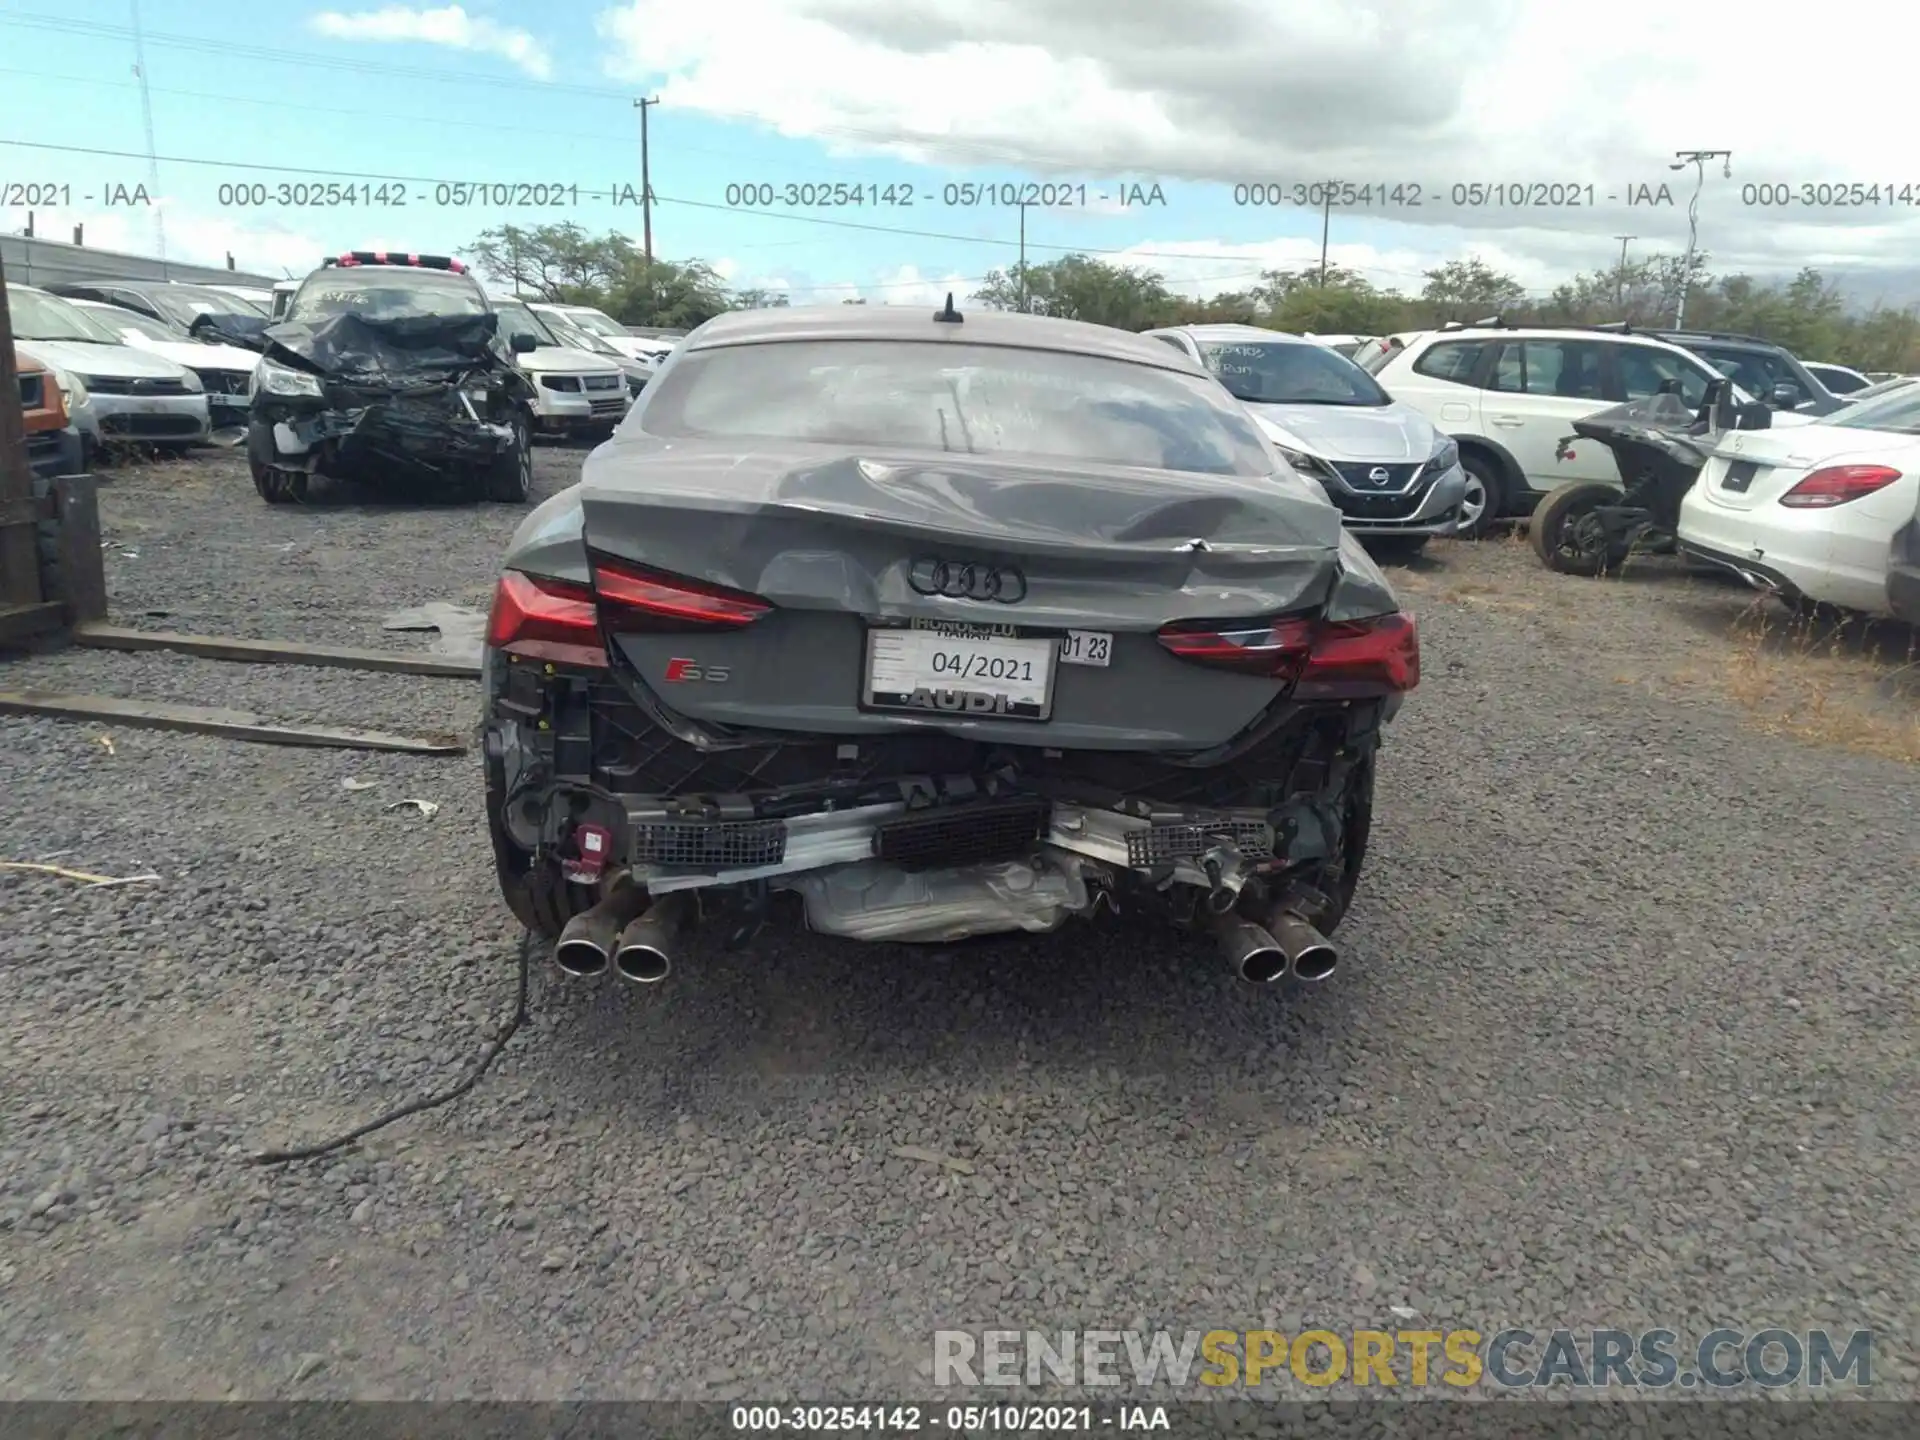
(545,620)
(645,599)
(1325,658)
(1836,485)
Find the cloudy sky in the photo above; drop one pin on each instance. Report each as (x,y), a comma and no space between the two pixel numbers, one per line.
(1181,137)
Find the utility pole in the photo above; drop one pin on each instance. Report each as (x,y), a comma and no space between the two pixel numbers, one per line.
(1326,227)
(646,182)
(1023,255)
(1620,275)
(146,116)
(1698,159)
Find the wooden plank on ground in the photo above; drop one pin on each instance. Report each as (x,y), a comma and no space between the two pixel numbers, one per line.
(101,636)
(227,724)
(21,623)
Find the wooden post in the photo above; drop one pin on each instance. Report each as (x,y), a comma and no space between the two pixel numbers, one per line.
(19,556)
(83,573)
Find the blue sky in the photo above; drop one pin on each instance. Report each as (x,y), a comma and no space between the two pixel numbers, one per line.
(308,95)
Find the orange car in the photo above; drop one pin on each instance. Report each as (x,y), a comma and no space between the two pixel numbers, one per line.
(53,447)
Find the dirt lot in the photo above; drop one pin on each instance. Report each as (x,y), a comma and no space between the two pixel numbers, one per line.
(1624,1034)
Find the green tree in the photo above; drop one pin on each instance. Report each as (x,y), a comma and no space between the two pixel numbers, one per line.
(554,262)
(1078,287)
(678,296)
(757,299)
(1471,289)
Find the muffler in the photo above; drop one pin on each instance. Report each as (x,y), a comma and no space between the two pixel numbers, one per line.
(1255,955)
(587,944)
(648,944)
(1311,957)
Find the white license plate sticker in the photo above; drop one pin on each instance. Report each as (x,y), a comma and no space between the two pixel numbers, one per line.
(928,672)
(1087,647)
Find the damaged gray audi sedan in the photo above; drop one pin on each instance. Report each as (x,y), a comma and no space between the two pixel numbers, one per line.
(931,626)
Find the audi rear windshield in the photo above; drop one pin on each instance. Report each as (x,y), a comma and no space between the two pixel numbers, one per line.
(961,399)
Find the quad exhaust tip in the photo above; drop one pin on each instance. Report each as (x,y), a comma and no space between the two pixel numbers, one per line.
(645,949)
(588,942)
(1311,957)
(1267,954)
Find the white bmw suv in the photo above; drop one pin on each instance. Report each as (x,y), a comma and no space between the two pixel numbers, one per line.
(1509,396)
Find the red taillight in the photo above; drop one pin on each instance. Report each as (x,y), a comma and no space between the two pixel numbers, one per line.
(635,598)
(1836,485)
(1323,658)
(546,620)
(1277,648)
(1362,656)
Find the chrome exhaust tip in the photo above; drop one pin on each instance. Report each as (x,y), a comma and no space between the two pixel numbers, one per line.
(1255,955)
(645,949)
(1311,957)
(587,943)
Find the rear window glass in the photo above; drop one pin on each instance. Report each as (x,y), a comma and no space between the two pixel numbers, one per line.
(959,399)
(385,292)
(1453,360)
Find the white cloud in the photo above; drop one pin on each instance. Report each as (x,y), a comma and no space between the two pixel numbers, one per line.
(450,26)
(1428,92)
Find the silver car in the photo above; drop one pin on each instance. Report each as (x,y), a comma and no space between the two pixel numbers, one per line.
(1395,478)
(118,392)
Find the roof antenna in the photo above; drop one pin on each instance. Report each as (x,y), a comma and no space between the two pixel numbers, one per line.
(950,315)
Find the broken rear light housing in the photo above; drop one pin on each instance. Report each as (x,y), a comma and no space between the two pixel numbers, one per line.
(636,599)
(1321,659)
(542,619)
(1836,485)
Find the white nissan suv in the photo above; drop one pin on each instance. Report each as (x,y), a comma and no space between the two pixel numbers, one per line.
(1509,395)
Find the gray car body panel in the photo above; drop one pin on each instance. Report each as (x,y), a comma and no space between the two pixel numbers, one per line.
(828,534)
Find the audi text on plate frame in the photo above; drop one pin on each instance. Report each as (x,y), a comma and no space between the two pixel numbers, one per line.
(931,667)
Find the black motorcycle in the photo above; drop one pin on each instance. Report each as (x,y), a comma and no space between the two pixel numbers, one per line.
(1591,527)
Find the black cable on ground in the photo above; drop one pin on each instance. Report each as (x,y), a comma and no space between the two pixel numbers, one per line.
(492,1052)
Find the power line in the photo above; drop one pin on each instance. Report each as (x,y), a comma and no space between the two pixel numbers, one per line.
(679,200)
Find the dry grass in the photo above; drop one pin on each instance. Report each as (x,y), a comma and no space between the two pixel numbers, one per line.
(1817,681)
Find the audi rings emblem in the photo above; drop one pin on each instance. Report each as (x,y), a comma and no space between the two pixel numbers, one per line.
(967,581)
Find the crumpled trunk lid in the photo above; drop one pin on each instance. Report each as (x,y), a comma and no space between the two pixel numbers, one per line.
(847,547)
(808,527)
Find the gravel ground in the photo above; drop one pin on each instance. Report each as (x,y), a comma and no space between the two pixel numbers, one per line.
(1623,1037)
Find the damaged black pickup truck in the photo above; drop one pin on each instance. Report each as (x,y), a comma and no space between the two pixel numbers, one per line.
(390,369)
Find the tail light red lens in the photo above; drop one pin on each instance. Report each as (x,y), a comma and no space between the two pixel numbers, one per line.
(1277,649)
(1321,658)
(1836,485)
(546,620)
(633,598)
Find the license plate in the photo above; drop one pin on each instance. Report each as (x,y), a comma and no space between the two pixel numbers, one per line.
(1087,647)
(1739,476)
(959,672)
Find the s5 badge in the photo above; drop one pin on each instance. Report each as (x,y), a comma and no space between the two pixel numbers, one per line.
(679,669)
